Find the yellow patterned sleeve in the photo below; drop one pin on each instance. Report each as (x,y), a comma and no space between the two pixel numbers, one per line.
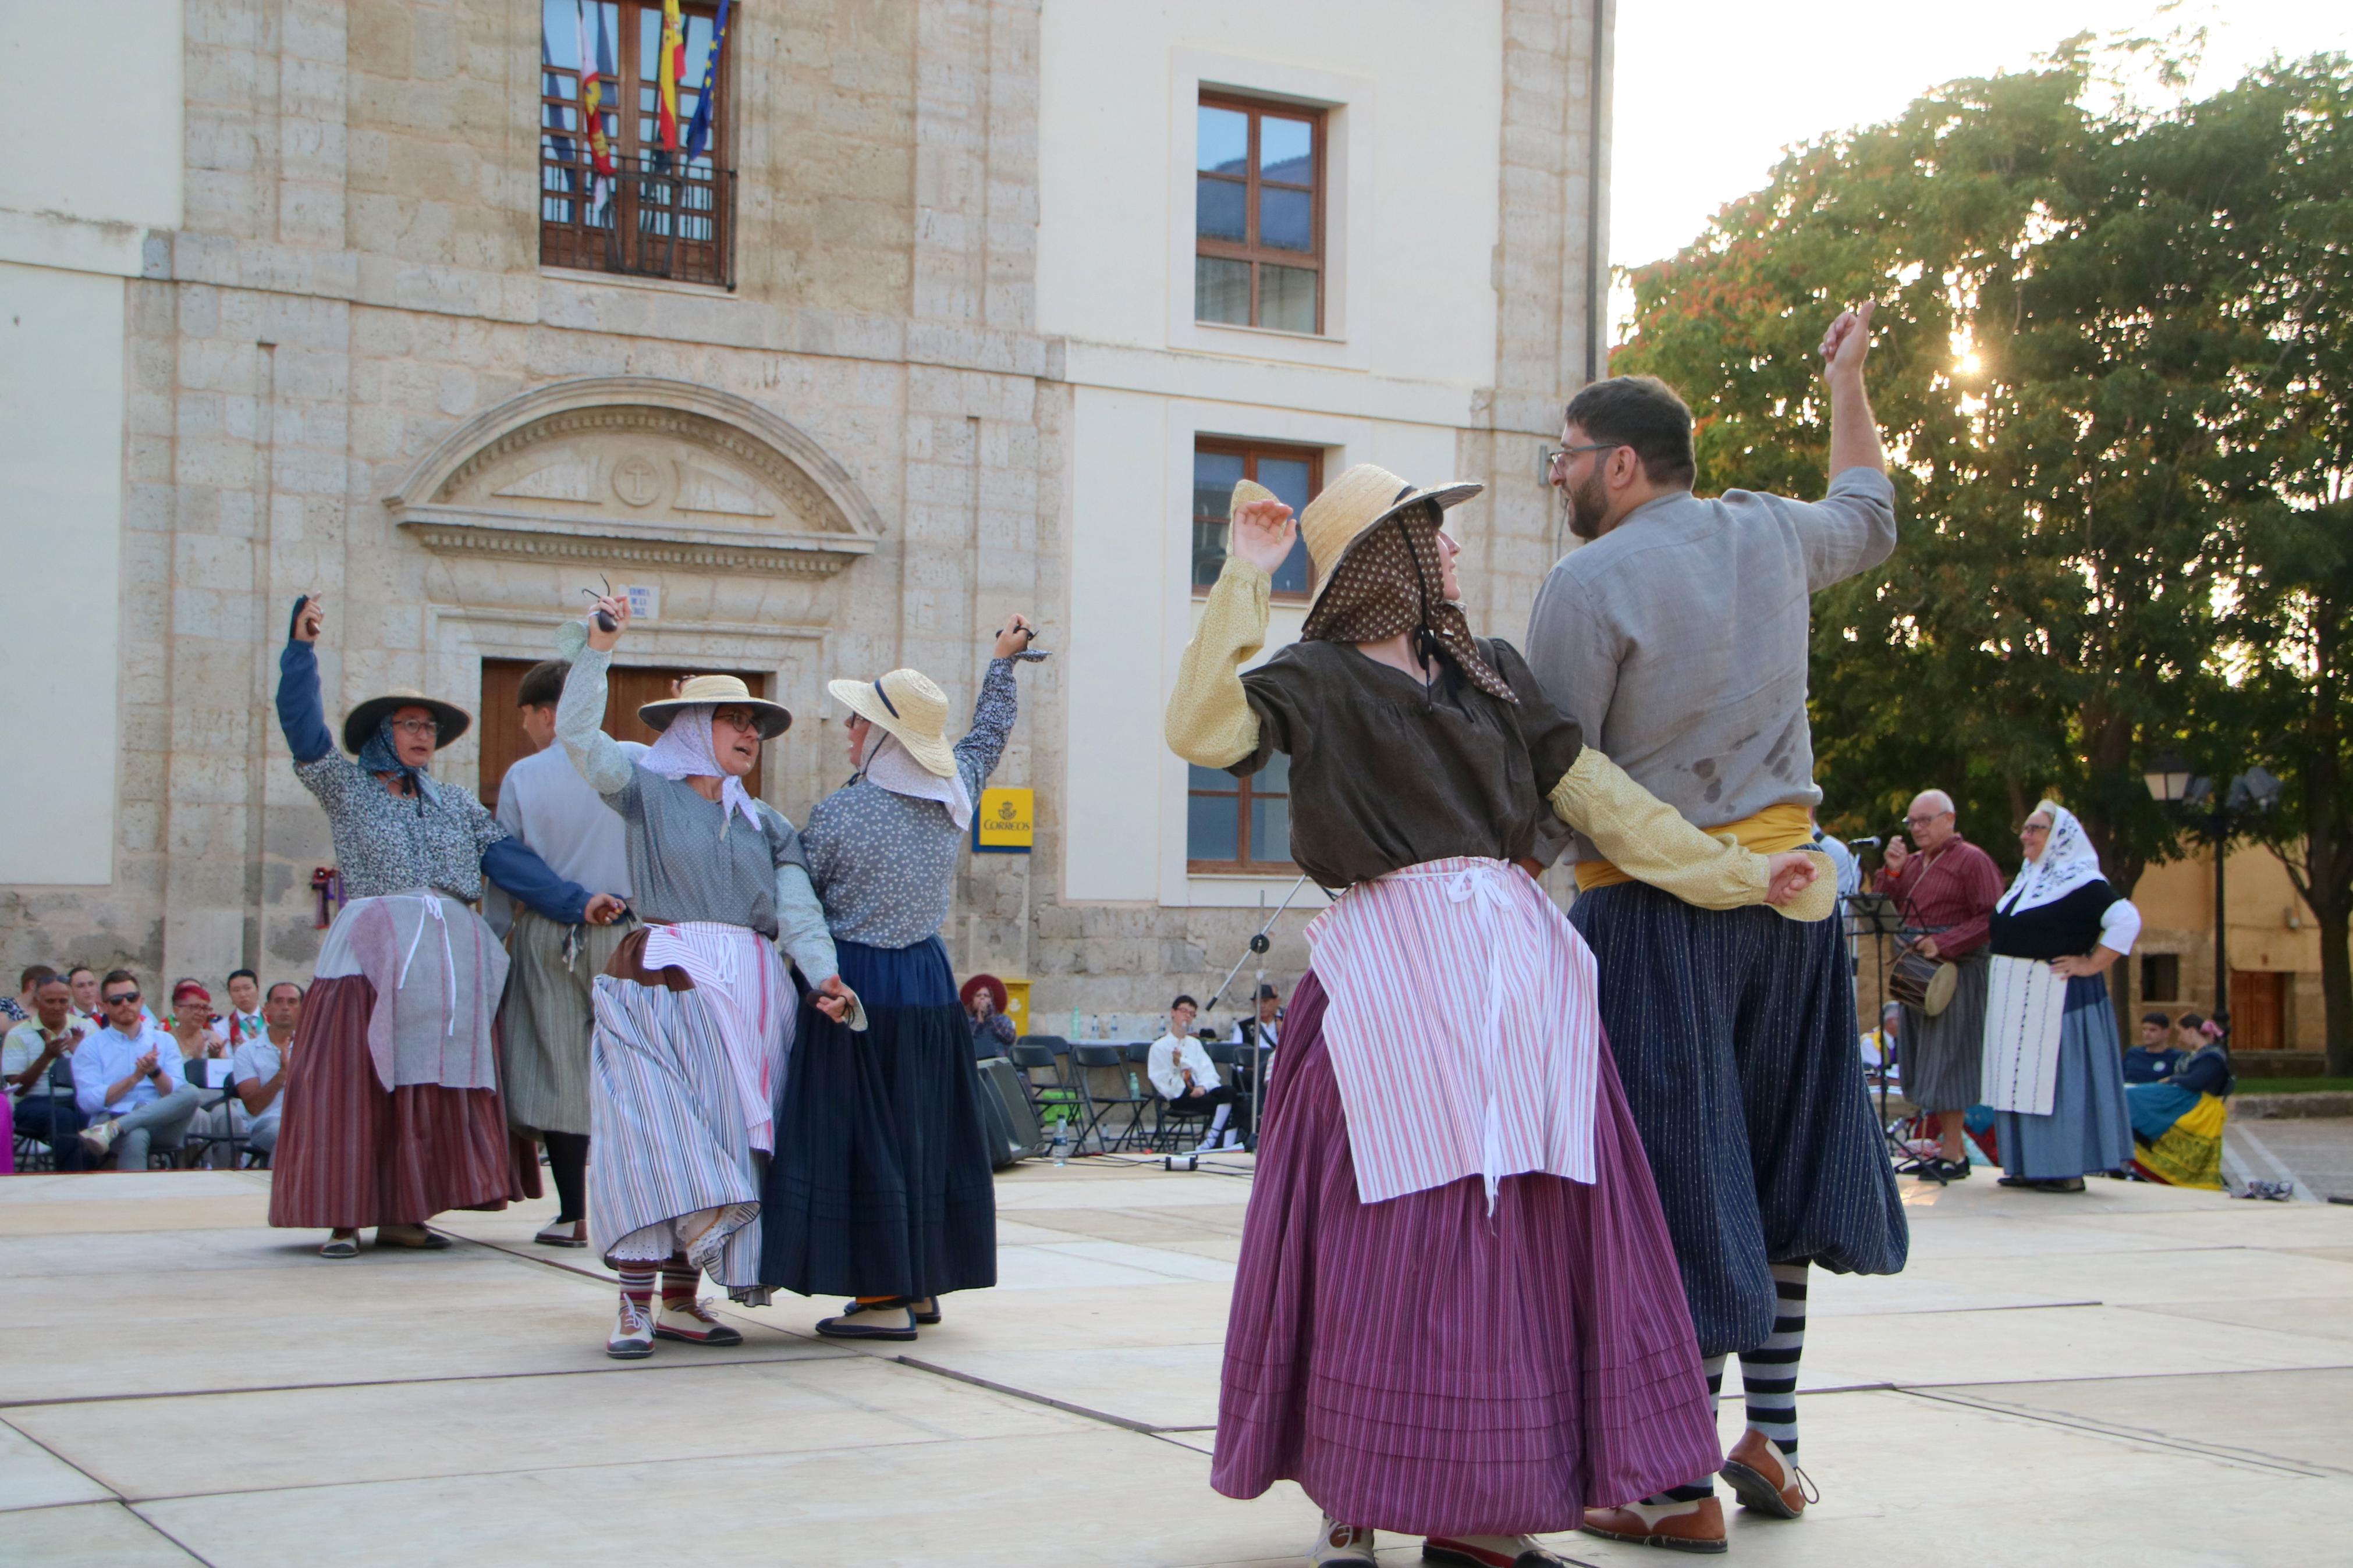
(1210,722)
(1649,840)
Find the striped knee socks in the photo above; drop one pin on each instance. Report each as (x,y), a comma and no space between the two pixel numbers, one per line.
(1770,1375)
(681,1280)
(637,1284)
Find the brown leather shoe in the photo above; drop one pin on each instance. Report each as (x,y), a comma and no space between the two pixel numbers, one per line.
(1701,1530)
(1763,1477)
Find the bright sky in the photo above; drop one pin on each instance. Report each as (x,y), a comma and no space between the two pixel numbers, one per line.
(1710,91)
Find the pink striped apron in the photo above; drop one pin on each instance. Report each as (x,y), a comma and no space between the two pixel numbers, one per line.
(1462,1028)
(742,982)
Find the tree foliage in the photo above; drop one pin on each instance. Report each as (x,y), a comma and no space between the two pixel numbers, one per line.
(2115,374)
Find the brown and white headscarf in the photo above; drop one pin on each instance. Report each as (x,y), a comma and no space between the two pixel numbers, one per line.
(1391,580)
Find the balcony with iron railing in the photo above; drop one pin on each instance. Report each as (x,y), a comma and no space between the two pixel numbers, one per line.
(655,216)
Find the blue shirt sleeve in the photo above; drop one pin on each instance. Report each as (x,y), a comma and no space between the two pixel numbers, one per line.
(300,713)
(517,868)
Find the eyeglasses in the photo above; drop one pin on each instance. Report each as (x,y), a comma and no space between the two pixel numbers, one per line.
(119,997)
(1924,821)
(1559,455)
(2037,827)
(416,726)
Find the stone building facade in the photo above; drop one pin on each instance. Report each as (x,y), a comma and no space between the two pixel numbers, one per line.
(957,374)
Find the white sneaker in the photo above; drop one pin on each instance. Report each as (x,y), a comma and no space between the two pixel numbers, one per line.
(98,1138)
(684,1317)
(633,1334)
(1341,1545)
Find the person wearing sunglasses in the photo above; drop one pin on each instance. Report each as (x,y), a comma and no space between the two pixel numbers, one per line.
(128,1083)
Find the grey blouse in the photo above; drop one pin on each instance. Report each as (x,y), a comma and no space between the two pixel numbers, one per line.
(385,844)
(885,863)
(681,865)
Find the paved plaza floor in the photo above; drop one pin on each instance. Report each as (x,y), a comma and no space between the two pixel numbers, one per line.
(2130,1376)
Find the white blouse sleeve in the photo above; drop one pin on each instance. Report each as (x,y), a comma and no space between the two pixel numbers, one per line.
(2120,926)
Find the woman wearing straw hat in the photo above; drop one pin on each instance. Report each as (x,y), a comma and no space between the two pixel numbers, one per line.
(1458,1314)
(694,1013)
(880,1188)
(391,1109)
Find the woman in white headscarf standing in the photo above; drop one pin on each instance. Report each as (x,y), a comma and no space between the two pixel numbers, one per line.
(880,1190)
(694,1011)
(2053,1073)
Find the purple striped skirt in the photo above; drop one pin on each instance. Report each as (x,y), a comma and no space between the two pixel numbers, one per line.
(1418,1366)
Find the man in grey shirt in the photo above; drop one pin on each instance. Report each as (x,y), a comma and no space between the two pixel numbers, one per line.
(1677,637)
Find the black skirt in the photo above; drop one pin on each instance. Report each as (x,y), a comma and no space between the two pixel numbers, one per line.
(880,1183)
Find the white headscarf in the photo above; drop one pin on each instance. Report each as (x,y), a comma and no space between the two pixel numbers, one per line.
(2068,863)
(894,768)
(685,750)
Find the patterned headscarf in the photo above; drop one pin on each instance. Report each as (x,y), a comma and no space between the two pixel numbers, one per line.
(685,750)
(381,755)
(2068,862)
(1390,581)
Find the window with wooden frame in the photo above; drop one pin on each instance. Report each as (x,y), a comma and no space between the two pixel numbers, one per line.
(1239,824)
(633,205)
(628,688)
(1257,225)
(1294,473)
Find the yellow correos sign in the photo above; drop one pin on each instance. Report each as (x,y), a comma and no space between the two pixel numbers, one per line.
(1006,822)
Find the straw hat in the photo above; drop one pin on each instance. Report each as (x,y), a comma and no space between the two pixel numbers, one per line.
(1353,505)
(359,725)
(718,691)
(911,706)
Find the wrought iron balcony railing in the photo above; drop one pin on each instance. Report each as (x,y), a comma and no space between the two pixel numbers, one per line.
(657,216)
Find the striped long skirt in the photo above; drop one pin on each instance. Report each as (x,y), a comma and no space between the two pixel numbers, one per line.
(1942,1057)
(351,1152)
(1423,1365)
(670,1128)
(1734,1037)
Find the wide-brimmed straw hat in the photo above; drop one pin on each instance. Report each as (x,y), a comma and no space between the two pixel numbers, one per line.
(909,705)
(449,720)
(718,691)
(1351,507)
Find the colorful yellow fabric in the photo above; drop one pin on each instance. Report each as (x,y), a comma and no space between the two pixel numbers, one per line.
(1772,831)
(1643,832)
(1209,721)
(2190,1154)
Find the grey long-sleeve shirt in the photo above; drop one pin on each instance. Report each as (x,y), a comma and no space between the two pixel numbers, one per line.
(1678,638)
(680,868)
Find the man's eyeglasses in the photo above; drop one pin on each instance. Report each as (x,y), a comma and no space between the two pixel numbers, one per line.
(119,997)
(1559,455)
(1924,821)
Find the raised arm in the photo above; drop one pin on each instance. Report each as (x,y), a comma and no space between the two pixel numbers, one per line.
(1854,433)
(994,710)
(1209,721)
(580,712)
(300,713)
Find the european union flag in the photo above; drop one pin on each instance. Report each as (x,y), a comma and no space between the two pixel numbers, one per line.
(698,134)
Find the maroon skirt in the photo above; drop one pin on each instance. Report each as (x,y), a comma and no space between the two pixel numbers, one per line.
(1422,1366)
(352,1153)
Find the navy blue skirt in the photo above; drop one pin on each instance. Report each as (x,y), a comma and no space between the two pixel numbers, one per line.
(1735,1036)
(880,1183)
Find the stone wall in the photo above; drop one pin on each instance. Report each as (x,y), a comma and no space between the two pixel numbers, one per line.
(357,277)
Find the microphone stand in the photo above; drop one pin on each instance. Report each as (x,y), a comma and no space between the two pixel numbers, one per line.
(1258,945)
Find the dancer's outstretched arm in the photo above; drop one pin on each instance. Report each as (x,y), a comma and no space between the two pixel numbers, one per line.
(1649,840)
(1209,721)
(580,712)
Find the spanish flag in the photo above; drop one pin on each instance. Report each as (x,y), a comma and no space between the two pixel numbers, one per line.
(673,66)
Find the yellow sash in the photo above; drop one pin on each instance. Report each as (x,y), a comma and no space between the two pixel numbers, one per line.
(1769,832)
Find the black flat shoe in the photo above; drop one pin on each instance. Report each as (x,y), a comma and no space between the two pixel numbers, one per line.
(926,1308)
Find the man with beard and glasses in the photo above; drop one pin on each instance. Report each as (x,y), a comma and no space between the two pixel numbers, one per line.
(1676,637)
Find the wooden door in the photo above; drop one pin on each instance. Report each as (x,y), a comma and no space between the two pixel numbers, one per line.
(2258,1010)
(627,689)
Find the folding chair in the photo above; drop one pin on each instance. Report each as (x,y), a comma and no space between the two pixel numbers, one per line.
(1058,1098)
(195,1149)
(1091,1060)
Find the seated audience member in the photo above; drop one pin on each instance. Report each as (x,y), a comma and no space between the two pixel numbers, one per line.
(261,1065)
(1261,1032)
(1879,1044)
(84,981)
(2155,1057)
(128,1081)
(18,1009)
(1188,1079)
(2177,1124)
(242,1022)
(984,998)
(191,1028)
(29,1060)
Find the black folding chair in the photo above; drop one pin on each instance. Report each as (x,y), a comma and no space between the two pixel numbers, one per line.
(1060,1097)
(1089,1060)
(196,1148)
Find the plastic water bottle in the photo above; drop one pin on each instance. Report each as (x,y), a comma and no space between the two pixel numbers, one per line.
(1062,1140)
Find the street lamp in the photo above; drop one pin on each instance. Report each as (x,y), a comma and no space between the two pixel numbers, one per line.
(2173,785)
